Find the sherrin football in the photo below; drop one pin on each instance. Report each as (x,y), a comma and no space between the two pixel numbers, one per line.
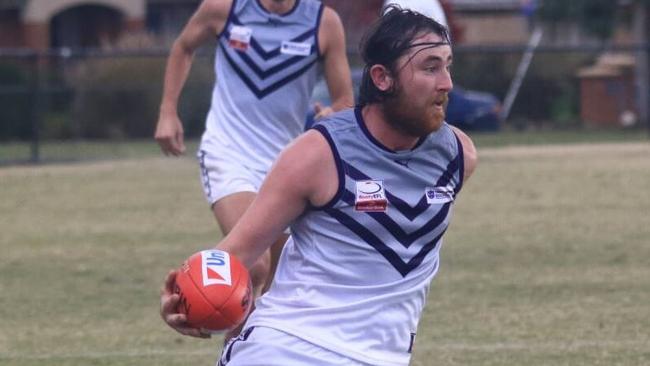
(215,290)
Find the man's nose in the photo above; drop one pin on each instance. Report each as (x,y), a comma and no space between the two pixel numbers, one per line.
(445,83)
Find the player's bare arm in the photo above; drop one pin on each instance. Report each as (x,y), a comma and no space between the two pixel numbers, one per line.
(307,167)
(331,38)
(208,21)
(469,152)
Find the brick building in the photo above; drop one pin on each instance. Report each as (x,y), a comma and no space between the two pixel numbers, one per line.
(42,24)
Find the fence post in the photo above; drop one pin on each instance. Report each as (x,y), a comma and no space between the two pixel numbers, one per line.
(35,113)
(641,78)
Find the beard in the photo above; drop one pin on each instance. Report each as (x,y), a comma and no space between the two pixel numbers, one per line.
(410,118)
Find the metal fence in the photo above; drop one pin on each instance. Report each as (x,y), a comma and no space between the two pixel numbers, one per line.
(91,97)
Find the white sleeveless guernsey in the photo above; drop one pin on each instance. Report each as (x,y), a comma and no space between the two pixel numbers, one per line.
(355,274)
(266,68)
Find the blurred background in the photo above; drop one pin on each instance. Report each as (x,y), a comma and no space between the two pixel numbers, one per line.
(82,79)
(546,264)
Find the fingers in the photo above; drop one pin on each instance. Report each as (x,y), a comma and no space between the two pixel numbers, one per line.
(168,300)
(318,107)
(169,309)
(323,112)
(169,135)
(170,281)
(179,323)
(172,145)
(179,144)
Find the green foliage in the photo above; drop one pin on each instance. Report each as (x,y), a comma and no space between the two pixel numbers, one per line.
(15,99)
(116,97)
(119,97)
(549,93)
(596,17)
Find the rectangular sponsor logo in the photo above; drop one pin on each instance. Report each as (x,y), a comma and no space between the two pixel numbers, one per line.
(295,48)
(370,196)
(438,195)
(215,268)
(240,37)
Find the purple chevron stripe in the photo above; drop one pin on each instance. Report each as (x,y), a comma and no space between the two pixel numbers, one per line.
(261,93)
(267,55)
(406,239)
(404,268)
(263,74)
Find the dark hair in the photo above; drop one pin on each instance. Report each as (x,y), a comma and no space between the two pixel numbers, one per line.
(387,40)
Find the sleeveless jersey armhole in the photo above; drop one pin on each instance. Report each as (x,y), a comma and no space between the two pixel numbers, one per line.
(229,19)
(319,18)
(339,169)
(461,164)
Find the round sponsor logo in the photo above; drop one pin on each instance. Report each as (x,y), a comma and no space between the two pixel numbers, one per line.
(369,187)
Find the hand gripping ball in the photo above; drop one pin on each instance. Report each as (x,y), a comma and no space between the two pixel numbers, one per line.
(215,290)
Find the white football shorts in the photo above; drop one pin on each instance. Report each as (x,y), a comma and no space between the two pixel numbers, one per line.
(263,346)
(222,175)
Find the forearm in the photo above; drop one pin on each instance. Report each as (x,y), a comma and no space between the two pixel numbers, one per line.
(336,66)
(177,70)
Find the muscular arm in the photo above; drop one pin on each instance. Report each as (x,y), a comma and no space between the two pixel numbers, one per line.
(303,174)
(208,21)
(469,152)
(335,61)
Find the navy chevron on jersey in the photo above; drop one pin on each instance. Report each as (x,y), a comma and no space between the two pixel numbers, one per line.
(355,274)
(266,68)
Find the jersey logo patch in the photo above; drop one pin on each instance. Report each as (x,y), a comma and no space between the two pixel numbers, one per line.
(295,48)
(240,37)
(370,196)
(439,195)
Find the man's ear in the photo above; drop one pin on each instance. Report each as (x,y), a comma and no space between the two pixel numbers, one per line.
(381,77)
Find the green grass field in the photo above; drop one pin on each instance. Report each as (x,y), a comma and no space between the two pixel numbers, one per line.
(547,261)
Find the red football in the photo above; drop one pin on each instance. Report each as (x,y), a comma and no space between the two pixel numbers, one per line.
(215,290)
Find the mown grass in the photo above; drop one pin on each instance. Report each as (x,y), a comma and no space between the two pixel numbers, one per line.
(546,262)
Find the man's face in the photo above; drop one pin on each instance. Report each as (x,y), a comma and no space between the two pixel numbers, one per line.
(423,80)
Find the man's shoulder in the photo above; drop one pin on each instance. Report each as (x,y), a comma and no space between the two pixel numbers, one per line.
(330,18)
(219,8)
(215,10)
(343,119)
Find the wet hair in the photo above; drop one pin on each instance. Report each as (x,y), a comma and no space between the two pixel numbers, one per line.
(389,38)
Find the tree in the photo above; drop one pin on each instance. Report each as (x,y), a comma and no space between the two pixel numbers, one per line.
(595,17)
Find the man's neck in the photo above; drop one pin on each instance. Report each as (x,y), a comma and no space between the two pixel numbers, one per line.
(278,6)
(382,131)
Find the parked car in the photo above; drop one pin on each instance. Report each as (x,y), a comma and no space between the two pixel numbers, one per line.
(472,110)
(467,109)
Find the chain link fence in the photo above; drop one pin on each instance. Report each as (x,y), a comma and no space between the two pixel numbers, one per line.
(64,105)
